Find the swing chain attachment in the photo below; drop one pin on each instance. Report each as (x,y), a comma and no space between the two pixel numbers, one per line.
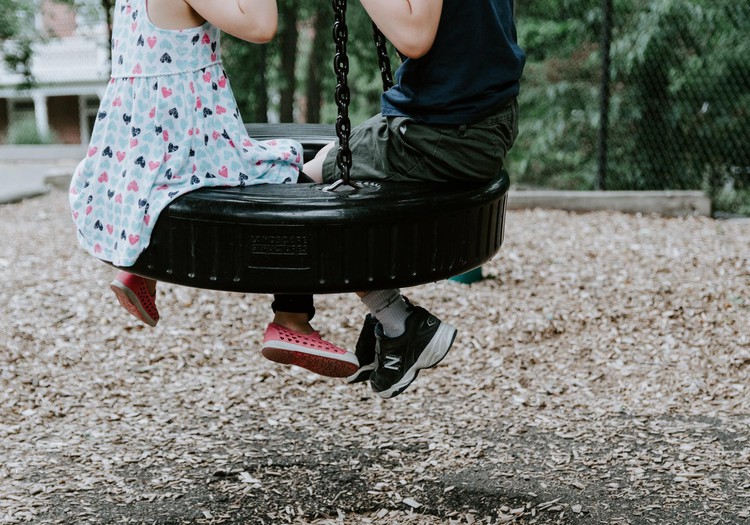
(342,94)
(341,68)
(354,184)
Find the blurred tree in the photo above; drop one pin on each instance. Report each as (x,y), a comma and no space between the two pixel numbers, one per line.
(559,94)
(318,55)
(246,66)
(287,40)
(13,13)
(684,68)
(18,31)
(17,34)
(271,79)
(104,8)
(679,116)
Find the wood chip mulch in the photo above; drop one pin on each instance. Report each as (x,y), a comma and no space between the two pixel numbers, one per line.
(601,376)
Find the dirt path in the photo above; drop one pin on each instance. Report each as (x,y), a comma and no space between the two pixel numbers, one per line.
(600,377)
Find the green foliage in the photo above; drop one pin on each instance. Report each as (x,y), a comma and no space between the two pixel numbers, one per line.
(556,147)
(679,113)
(17,55)
(684,74)
(12,15)
(550,38)
(246,68)
(24,131)
(556,9)
(550,29)
(258,77)
(732,202)
(559,116)
(17,36)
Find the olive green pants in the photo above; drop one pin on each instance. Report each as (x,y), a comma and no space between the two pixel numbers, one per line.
(400,149)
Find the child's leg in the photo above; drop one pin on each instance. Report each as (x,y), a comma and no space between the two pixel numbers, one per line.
(389,308)
(290,340)
(294,312)
(417,340)
(137,295)
(314,168)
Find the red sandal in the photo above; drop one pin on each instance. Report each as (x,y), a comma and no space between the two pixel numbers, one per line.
(288,347)
(132,292)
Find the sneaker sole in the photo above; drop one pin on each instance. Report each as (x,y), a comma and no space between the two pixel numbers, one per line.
(318,362)
(131,303)
(363,374)
(434,352)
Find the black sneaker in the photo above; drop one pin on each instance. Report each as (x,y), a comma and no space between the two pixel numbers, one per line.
(424,344)
(365,351)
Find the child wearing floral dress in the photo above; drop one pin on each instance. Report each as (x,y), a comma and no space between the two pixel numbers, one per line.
(168,124)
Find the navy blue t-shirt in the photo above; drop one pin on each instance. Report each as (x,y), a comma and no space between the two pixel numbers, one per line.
(472,69)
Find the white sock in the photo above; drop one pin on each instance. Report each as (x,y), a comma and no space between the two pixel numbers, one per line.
(389,308)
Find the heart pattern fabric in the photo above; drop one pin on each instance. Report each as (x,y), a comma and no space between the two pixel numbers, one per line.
(168,124)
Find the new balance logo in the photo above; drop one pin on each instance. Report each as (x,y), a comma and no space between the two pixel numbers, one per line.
(392,362)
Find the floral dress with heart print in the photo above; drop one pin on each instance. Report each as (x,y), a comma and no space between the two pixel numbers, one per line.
(168,124)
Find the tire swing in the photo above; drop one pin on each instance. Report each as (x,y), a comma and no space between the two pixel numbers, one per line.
(313,238)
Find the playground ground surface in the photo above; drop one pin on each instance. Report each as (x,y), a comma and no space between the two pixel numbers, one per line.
(600,376)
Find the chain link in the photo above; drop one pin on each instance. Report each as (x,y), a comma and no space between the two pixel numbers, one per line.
(383,61)
(341,68)
(342,95)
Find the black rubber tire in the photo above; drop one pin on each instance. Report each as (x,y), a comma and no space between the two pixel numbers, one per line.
(302,239)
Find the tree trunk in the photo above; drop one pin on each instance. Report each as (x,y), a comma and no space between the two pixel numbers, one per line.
(288,45)
(260,113)
(318,57)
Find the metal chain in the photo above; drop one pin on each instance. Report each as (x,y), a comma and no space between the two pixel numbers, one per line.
(341,68)
(383,61)
(342,95)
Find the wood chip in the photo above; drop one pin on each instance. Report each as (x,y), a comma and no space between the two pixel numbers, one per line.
(602,366)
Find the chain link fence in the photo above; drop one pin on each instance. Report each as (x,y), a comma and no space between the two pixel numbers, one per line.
(653,97)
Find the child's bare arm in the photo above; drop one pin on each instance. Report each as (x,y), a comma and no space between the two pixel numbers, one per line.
(410,25)
(251,20)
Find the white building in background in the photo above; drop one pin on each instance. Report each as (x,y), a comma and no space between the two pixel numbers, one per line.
(70,69)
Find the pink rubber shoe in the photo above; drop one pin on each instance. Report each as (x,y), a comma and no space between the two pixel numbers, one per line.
(133,294)
(308,351)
